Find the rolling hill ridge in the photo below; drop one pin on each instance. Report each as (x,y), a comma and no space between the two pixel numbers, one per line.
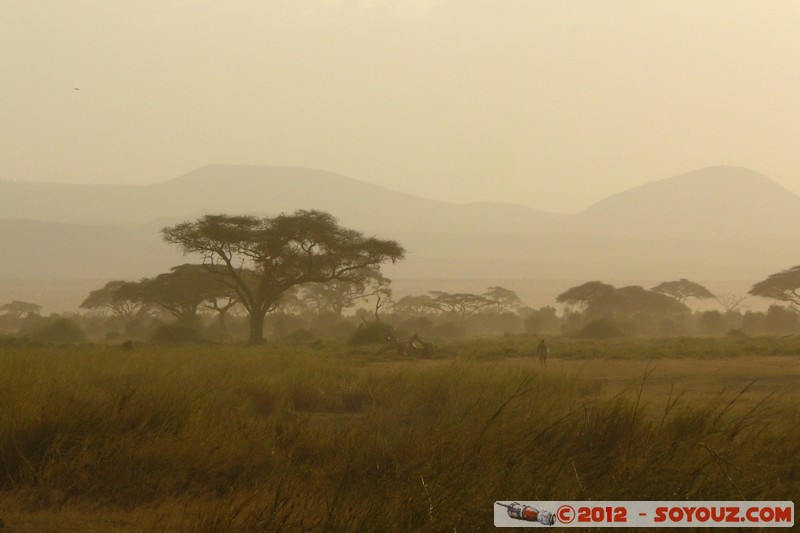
(713,223)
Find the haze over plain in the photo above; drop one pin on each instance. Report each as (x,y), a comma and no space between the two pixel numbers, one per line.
(553,105)
(575,112)
(717,223)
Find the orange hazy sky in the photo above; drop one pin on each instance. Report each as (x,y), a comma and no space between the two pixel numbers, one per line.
(549,104)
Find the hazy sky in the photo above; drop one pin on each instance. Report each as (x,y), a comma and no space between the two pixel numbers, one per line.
(550,104)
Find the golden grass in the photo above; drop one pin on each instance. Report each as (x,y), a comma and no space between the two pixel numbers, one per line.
(225,438)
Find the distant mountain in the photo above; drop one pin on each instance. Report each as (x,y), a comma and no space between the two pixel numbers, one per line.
(714,223)
(711,202)
(260,190)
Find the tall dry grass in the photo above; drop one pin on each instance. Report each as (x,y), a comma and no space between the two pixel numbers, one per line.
(221,438)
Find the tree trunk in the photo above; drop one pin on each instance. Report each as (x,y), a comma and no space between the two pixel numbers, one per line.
(223,326)
(256,328)
(187,317)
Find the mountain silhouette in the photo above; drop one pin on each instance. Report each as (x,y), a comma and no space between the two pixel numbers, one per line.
(712,223)
(712,202)
(257,190)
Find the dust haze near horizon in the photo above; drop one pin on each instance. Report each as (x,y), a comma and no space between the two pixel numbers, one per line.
(550,105)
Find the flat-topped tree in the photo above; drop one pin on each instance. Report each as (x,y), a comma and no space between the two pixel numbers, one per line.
(505,298)
(682,289)
(19,308)
(180,291)
(592,296)
(416,305)
(636,299)
(783,286)
(108,298)
(598,299)
(337,295)
(460,304)
(262,258)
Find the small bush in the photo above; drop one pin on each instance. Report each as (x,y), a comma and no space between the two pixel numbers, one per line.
(370,333)
(60,331)
(331,326)
(355,399)
(175,333)
(450,330)
(8,341)
(736,334)
(711,323)
(302,336)
(281,324)
(421,325)
(599,329)
(305,396)
(264,401)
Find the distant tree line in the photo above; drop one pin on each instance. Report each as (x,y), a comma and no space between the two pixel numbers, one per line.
(303,276)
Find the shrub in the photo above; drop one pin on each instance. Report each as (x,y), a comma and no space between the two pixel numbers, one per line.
(421,325)
(711,323)
(736,333)
(60,331)
(545,320)
(370,333)
(450,330)
(302,336)
(600,329)
(8,341)
(781,321)
(281,324)
(330,325)
(175,333)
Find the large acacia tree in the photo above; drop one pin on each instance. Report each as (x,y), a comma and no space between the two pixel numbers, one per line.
(682,289)
(262,258)
(592,296)
(505,298)
(19,308)
(783,286)
(180,291)
(598,299)
(337,295)
(460,304)
(108,298)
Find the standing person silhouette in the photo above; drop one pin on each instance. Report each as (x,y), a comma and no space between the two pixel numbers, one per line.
(543,351)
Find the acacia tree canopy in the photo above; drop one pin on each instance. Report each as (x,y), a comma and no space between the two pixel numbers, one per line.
(636,299)
(416,305)
(460,304)
(262,258)
(587,294)
(108,298)
(505,298)
(20,308)
(783,286)
(180,291)
(337,295)
(682,289)
(601,299)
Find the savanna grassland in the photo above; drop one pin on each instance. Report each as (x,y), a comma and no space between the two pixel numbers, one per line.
(325,437)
